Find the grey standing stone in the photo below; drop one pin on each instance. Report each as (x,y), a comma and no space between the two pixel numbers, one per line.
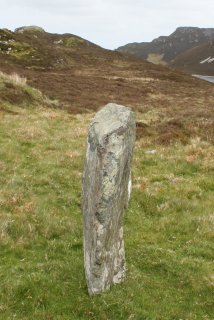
(106,191)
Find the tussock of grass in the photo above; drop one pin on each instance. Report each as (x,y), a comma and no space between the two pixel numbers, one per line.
(168,226)
(14,79)
(16,93)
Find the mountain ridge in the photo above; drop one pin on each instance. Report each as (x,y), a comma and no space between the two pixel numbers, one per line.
(165,49)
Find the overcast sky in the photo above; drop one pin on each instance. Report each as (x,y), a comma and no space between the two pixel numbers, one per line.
(109,23)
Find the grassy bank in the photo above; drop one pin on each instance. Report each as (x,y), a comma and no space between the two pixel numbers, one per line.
(169,226)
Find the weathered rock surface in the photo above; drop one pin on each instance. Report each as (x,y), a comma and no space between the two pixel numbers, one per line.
(29,28)
(106,191)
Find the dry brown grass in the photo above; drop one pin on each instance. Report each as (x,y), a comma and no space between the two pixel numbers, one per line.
(14,78)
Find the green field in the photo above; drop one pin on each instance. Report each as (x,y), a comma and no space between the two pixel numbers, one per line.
(169,226)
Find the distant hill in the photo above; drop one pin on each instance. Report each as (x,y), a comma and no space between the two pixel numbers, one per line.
(36,49)
(82,77)
(166,48)
(198,60)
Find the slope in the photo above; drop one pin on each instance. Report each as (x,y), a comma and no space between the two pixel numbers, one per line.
(90,76)
(16,94)
(199,60)
(168,225)
(165,48)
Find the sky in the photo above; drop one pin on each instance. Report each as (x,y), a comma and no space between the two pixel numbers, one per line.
(108,23)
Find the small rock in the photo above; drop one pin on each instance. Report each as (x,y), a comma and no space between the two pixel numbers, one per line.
(151,152)
(58,41)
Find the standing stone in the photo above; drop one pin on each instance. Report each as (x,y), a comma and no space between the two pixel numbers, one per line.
(106,191)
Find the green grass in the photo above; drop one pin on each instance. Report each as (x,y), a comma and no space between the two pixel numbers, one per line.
(169,226)
(73,41)
(19,50)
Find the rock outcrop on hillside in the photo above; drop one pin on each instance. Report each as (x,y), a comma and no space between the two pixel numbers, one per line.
(29,28)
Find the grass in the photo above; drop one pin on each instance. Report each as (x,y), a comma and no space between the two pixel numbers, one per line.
(73,41)
(156,58)
(19,50)
(15,92)
(168,226)
(14,78)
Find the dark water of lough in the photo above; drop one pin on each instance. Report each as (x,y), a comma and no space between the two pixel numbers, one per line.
(207,78)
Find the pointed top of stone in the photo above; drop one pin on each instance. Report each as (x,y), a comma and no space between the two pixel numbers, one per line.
(112,118)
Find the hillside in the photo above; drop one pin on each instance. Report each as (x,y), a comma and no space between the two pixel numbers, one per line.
(90,77)
(168,227)
(166,48)
(199,60)
(16,94)
(84,76)
(33,48)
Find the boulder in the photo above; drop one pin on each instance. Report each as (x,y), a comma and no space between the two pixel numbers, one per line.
(29,28)
(106,192)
